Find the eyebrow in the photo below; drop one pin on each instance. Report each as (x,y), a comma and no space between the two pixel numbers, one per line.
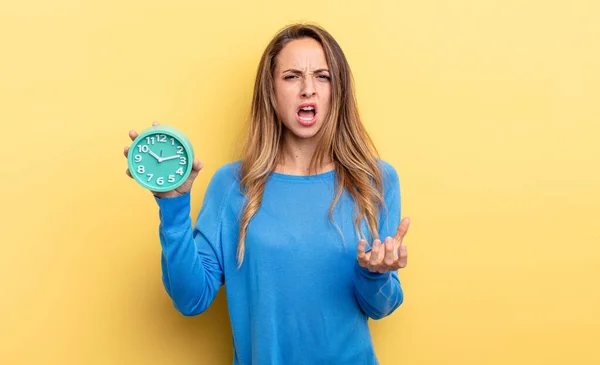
(299,72)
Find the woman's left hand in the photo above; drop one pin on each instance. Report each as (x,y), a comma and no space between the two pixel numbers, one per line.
(388,256)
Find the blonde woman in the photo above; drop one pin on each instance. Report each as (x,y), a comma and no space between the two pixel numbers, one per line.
(295,227)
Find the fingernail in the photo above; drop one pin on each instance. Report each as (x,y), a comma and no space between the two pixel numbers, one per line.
(403,248)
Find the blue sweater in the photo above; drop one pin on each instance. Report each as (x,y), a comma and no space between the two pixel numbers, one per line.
(300,297)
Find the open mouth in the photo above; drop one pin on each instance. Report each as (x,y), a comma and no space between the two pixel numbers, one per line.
(306,113)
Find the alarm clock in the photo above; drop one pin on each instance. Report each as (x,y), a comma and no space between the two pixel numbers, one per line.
(160,158)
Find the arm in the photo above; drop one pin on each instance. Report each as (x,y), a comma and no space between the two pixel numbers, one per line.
(380,294)
(191,259)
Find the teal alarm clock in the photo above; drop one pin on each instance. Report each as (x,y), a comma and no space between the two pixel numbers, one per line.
(160,158)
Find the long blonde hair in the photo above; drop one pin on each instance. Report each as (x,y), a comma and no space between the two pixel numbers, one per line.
(342,138)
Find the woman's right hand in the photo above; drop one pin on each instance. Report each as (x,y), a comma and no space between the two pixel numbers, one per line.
(184,188)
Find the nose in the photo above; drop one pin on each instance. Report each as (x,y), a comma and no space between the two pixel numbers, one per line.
(308,88)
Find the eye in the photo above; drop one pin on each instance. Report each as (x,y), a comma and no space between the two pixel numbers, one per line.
(287,77)
(325,77)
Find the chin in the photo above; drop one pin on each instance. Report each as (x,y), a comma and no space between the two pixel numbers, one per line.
(305,132)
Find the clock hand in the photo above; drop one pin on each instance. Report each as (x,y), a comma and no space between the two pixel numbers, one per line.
(160,159)
(170,157)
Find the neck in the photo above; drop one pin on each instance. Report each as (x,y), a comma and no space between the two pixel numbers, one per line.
(295,156)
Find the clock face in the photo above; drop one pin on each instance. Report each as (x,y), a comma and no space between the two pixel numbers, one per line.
(160,162)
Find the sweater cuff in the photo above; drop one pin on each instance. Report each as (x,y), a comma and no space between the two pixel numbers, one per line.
(174,212)
(370,284)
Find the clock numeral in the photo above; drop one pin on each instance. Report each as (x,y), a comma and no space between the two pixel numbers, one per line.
(138,158)
(179,171)
(172,141)
(171,178)
(150,140)
(160,180)
(149,176)
(182,160)
(179,150)
(161,138)
(143,148)
(141,169)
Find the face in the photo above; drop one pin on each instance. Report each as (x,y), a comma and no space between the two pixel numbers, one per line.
(302,87)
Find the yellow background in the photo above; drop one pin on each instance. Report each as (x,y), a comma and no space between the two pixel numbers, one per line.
(489,110)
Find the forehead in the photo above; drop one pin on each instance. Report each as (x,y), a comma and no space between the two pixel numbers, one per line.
(301,54)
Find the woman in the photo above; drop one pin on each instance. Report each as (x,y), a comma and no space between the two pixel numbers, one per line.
(286,227)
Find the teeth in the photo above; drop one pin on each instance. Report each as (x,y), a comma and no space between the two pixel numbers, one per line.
(308,108)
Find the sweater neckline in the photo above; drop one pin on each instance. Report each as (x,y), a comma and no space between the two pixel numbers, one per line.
(327,175)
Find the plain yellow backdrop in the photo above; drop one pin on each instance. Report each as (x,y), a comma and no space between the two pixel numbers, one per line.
(489,110)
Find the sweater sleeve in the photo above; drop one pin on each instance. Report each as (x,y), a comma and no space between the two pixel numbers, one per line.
(380,294)
(192,260)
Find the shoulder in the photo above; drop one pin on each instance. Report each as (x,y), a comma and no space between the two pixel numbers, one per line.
(389,174)
(228,173)
(390,180)
(225,178)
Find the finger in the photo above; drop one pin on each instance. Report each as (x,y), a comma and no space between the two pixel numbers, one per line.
(198,165)
(374,260)
(125,151)
(361,255)
(402,229)
(133,135)
(155,123)
(128,173)
(389,258)
(403,257)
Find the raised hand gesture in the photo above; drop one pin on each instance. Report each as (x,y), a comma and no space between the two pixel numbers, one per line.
(389,256)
